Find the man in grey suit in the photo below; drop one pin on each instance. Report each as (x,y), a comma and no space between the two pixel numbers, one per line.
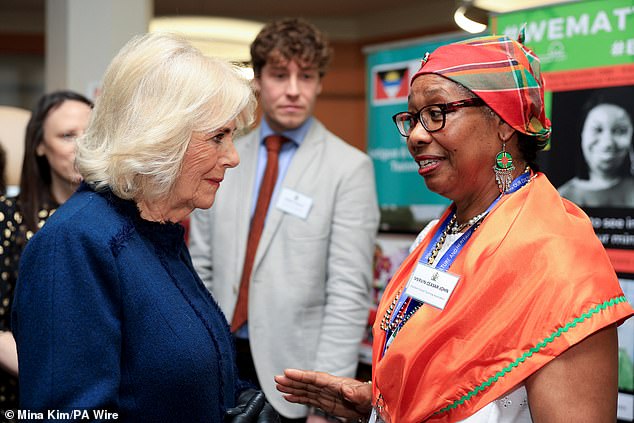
(308,291)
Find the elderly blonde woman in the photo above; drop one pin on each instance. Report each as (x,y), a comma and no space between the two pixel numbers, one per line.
(109,314)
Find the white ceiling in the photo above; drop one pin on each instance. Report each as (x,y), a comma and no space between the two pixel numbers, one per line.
(341,19)
(348,19)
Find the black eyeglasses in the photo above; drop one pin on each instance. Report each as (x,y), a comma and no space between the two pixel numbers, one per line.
(432,117)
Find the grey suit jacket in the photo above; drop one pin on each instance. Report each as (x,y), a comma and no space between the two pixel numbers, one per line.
(309,291)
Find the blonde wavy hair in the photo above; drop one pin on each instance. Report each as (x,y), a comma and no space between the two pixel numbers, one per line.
(156,92)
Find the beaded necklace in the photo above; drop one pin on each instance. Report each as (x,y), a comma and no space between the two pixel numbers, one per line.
(441,241)
(456,228)
(401,317)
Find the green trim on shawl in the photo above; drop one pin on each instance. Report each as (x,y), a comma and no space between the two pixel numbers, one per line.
(533,350)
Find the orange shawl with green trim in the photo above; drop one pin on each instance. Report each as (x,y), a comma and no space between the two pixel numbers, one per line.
(534,280)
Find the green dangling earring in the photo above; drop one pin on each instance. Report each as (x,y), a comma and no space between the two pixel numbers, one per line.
(503,169)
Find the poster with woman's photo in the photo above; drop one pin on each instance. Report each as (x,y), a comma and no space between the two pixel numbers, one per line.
(590,160)
(586,52)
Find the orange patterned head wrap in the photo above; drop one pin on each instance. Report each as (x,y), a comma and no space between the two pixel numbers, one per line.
(502,72)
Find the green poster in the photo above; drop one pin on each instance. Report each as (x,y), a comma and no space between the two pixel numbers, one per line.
(581,45)
(575,35)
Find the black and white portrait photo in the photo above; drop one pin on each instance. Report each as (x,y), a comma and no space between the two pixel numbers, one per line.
(591,149)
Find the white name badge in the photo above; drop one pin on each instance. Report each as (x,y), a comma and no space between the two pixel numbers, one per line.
(292,202)
(431,286)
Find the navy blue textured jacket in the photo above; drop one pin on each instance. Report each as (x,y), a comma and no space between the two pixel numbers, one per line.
(110,314)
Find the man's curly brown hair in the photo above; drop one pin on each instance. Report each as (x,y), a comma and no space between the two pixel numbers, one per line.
(290,39)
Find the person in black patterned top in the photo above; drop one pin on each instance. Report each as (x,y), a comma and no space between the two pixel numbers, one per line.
(48,179)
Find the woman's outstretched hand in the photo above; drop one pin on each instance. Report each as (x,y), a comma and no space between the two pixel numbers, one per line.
(339,396)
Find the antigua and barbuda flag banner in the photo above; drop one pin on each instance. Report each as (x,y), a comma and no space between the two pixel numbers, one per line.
(391,83)
(406,204)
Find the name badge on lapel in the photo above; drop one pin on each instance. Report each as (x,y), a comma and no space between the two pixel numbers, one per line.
(292,202)
(431,286)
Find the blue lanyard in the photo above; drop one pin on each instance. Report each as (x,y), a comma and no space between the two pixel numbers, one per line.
(450,256)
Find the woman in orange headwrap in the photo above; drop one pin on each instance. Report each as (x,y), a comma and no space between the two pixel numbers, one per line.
(506,309)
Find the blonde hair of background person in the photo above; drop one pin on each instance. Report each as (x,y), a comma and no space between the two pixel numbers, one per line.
(128,324)
(140,154)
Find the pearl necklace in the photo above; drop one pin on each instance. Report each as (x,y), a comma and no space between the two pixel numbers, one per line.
(456,228)
(452,228)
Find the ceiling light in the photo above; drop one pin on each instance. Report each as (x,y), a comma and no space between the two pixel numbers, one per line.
(507,6)
(471,18)
(218,37)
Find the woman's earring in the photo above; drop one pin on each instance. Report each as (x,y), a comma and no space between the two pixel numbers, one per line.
(503,169)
